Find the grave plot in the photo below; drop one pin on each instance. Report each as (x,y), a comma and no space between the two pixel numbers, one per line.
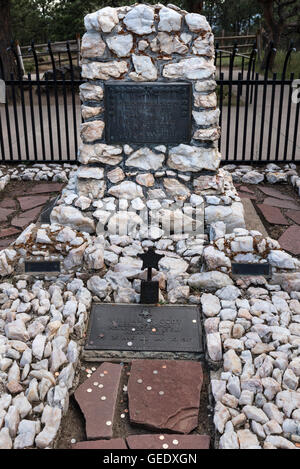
(156,404)
(279,209)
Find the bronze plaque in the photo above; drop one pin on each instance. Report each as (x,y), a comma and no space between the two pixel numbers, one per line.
(144,328)
(146,113)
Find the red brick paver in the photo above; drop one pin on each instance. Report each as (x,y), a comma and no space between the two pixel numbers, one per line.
(273,215)
(165,394)
(97,398)
(167,441)
(290,240)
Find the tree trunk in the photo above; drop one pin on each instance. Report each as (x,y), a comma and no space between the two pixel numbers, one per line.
(274,30)
(196,6)
(9,65)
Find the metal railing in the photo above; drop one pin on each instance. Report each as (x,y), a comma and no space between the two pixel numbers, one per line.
(259,119)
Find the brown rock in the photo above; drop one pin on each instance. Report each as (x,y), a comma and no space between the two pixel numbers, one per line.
(14,387)
(165,394)
(97,398)
(290,240)
(165,441)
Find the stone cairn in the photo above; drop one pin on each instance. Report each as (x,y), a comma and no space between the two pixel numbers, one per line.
(117,186)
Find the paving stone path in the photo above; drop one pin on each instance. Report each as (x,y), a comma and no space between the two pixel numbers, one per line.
(19,208)
(280,209)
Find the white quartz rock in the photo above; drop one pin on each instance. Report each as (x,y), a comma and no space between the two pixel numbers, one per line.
(209,280)
(126,190)
(197,23)
(145,159)
(144,68)
(195,68)
(140,19)
(72,217)
(189,158)
(173,266)
(92,44)
(281,259)
(102,20)
(170,20)
(210,305)
(104,70)
(214,346)
(121,44)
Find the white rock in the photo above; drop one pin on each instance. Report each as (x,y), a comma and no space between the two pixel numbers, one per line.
(103,20)
(140,20)
(195,68)
(281,260)
(173,266)
(221,416)
(127,190)
(253,413)
(72,217)
(197,23)
(210,305)
(232,362)
(104,70)
(190,158)
(145,70)
(121,45)
(5,439)
(247,440)
(209,280)
(92,45)
(170,20)
(144,158)
(214,346)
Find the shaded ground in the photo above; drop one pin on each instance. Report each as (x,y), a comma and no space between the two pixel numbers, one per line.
(73,424)
(21,203)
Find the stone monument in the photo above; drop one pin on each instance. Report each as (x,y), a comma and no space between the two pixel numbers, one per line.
(149,155)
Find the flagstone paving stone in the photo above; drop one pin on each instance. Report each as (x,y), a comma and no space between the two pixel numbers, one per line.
(116,443)
(97,398)
(45,188)
(8,203)
(290,240)
(294,215)
(167,441)
(246,195)
(273,214)
(281,203)
(29,202)
(245,189)
(275,193)
(4,213)
(25,218)
(165,394)
(6,232)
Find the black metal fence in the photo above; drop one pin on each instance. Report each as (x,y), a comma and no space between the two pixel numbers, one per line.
(259,119)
